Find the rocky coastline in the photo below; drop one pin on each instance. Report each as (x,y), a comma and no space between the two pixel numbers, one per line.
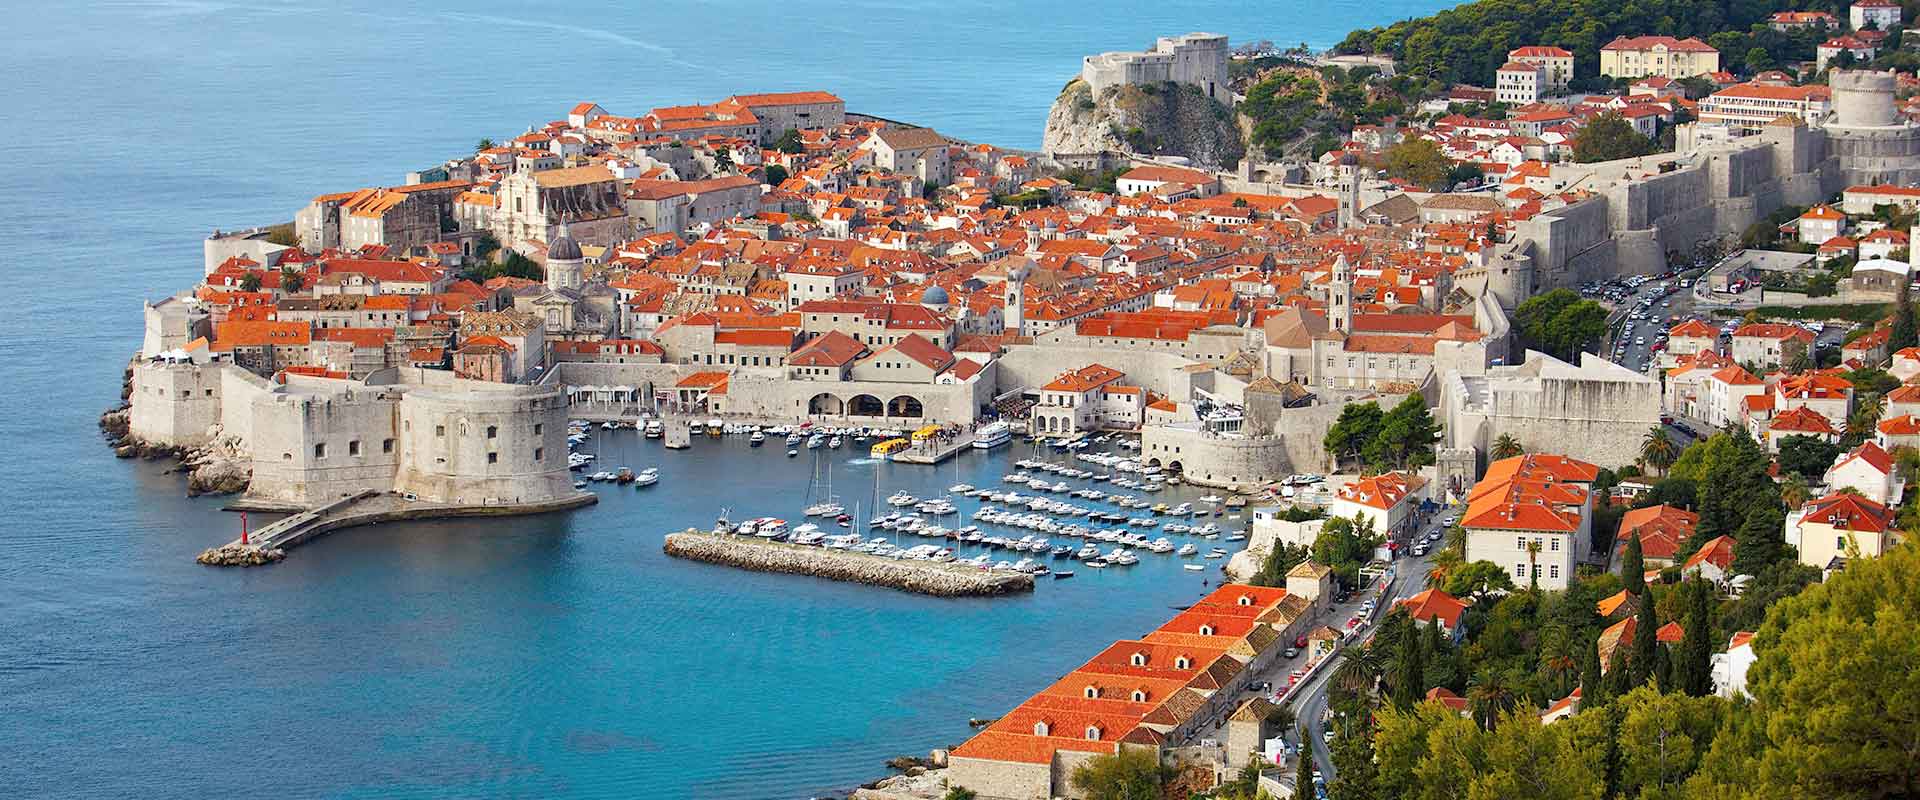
(760,555)
(218,467)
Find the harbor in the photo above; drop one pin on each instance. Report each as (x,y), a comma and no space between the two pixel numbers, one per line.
(1056,509)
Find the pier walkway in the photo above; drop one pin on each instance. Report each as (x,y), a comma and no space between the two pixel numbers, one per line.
(371,507)
(934,453)
(923,577)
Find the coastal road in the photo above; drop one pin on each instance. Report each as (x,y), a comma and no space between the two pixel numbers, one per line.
(1410,574)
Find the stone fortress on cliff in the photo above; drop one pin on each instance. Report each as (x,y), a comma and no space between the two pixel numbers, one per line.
(1196,59)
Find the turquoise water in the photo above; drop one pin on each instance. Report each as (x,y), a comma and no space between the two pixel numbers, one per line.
(543,657)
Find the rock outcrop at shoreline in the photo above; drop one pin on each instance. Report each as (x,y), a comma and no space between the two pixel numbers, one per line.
(760,555)
(218,467)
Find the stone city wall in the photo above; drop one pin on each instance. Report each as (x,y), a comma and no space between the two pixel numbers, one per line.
(1034,365)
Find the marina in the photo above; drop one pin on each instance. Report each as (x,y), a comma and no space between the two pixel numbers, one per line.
(1046,515)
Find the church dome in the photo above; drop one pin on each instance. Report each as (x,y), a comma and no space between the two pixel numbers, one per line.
(934,296)
(563,247)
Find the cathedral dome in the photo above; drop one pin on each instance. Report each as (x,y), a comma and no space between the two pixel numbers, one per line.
(563,247)
(934,296)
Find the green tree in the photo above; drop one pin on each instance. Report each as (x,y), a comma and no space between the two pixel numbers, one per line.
(485,144)
(1905,333)
(1757,60)
(1593,688)
(959,793)
(250,282)
(722,160)
(1559,322)
(790,142)
(1477,578)
(1406,436)
(1419,161)
(1409,671)
(292,280)
(1658,449)
(1126,775)
(1807,456)
(1608,137)
(1662,738)
(1506,447)
(1833,686)
(1284,557)
(1353,760)
(776,175)
(1303,768)
(1490,695)
(1633,567)
(1762,540)
(1640,659)
(1359,424)
(1344,544)
(1692,672)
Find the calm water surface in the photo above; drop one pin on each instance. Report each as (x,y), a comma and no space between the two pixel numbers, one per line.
(543,657)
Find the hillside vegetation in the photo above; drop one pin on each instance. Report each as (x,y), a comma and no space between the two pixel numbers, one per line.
(1468,43)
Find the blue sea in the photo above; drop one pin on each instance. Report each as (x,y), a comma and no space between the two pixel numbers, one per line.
(557,656)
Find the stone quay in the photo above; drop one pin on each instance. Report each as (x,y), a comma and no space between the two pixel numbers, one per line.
(924,577)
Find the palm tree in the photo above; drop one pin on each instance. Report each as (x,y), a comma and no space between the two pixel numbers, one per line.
(1444,563)
(1794,490)
(1357,672)
(1489,696)
(1658,450)
(1506,447)
(1866,415)
(1533,566)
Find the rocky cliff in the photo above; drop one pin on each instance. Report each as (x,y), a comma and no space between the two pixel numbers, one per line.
(1153,120)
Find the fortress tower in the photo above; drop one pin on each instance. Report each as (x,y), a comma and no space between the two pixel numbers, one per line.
(1196,59)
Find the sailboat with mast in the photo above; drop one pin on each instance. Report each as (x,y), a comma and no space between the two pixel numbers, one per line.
(825,505)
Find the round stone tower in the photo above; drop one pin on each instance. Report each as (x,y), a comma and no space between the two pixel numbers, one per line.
(1862,98)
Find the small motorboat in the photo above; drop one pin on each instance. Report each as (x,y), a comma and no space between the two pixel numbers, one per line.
(792,452)
(646,477)
(756,439)
(1063,574)
(1194,567)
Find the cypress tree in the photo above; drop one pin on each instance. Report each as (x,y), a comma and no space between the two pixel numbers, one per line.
(1593,688)
(1619,676)
(1409,672)
(1663,677)
(1640,659)
(1303,772)
(1633,568)
(1696,650)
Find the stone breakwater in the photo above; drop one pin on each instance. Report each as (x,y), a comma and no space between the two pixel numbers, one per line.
(239,555)
(760,555)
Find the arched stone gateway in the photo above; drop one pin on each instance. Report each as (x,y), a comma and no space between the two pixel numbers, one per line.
(866,405)
(1175,468)
(1153,462)
(905,406)
(824,403)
